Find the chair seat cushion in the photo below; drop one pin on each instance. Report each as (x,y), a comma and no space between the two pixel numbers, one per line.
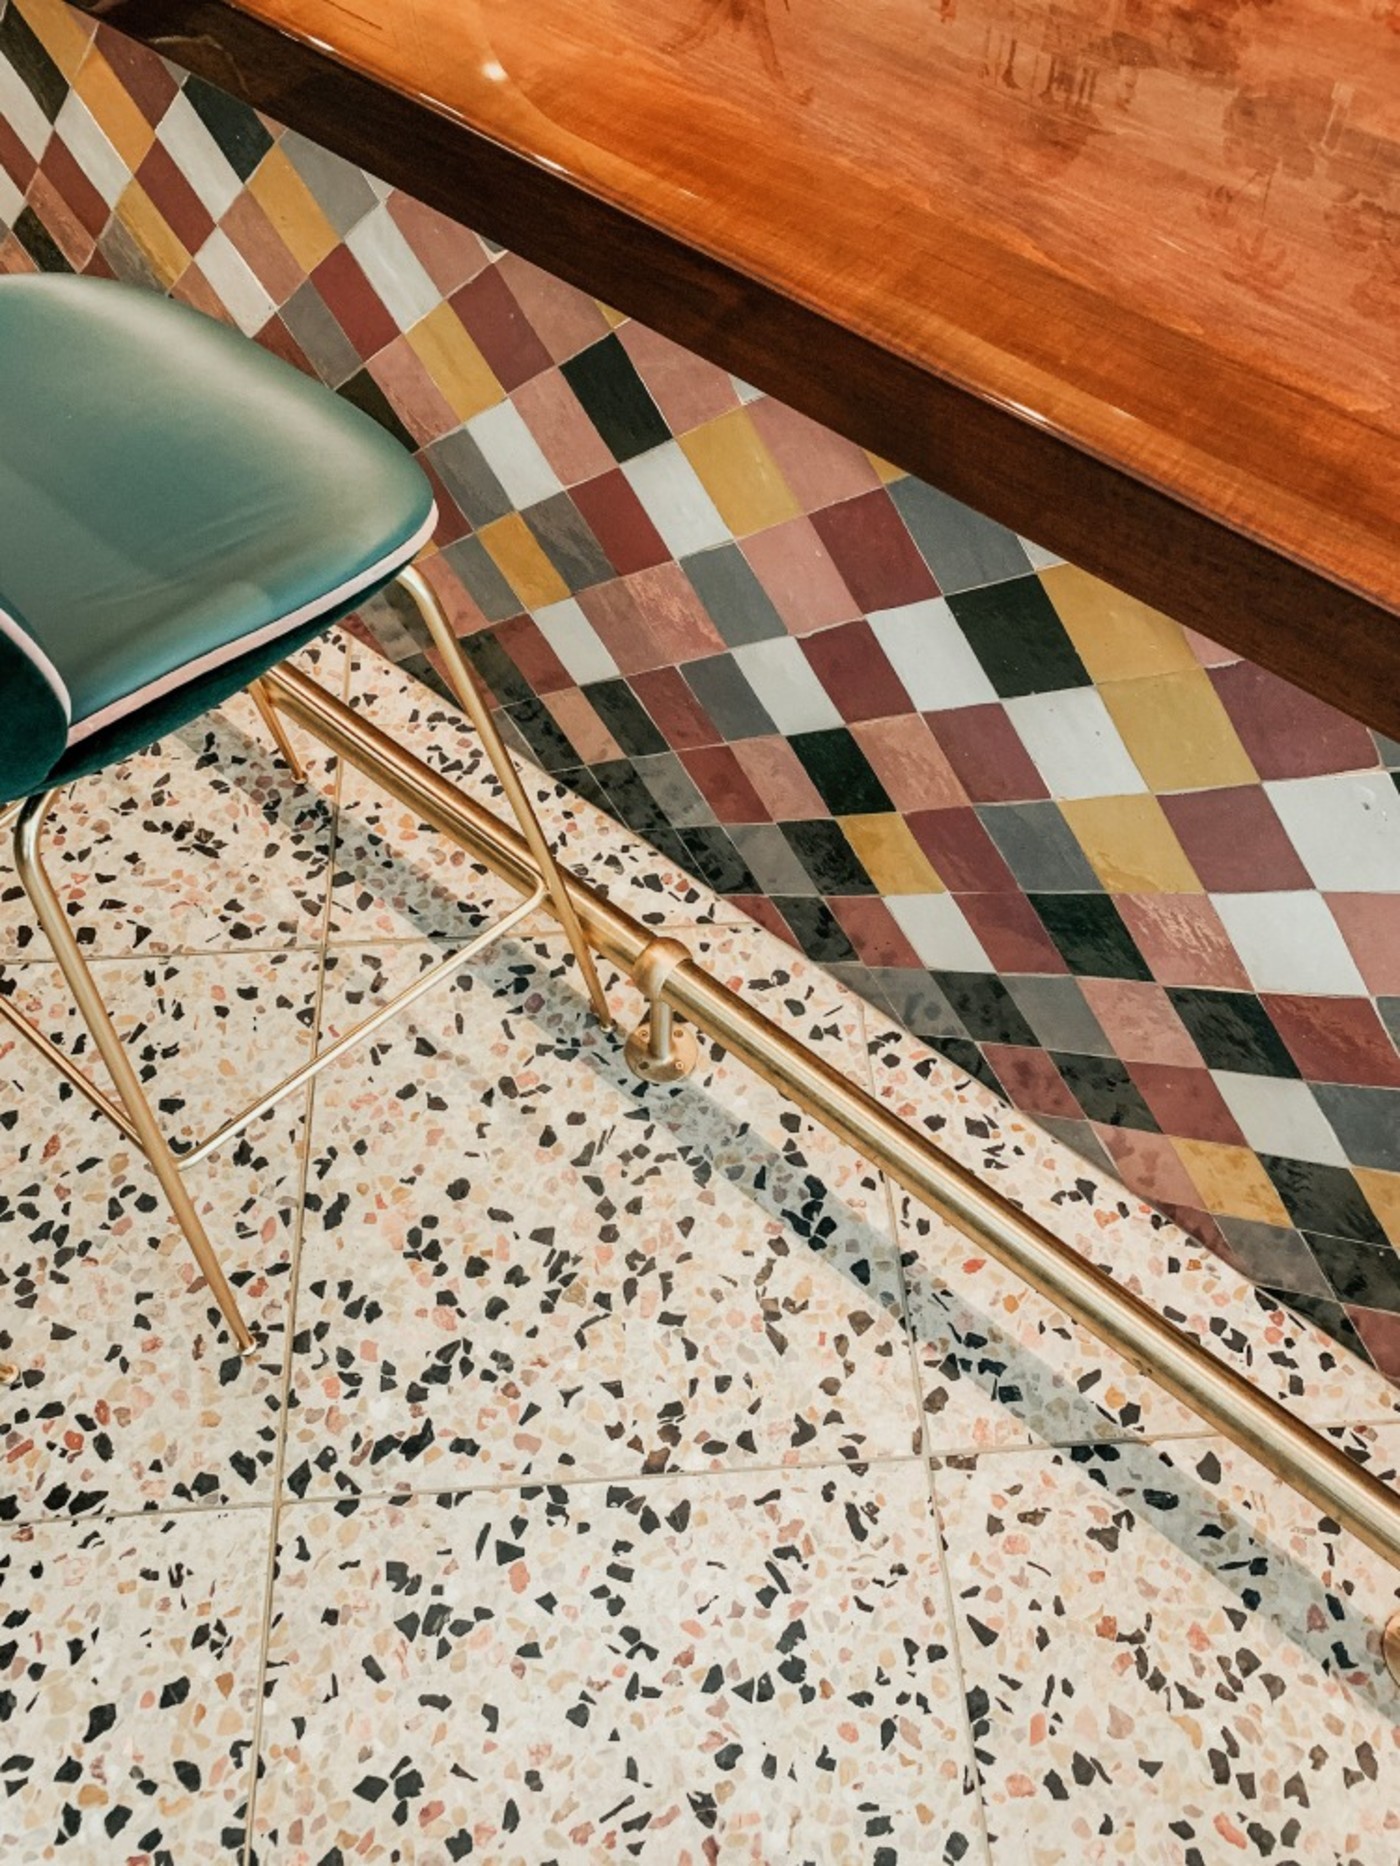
(173,501)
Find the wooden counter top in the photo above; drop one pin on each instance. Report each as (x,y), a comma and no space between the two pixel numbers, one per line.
(1124,274)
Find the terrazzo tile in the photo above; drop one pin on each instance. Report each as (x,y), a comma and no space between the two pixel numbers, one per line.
(131,1396)
(1000,1365)
(1169,1658)
(755,1668)
(204,842)
(520,1262)
(129,1679)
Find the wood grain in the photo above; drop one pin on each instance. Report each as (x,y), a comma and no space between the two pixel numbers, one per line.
(1124,274)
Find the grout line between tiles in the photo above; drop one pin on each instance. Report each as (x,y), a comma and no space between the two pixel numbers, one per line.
(408,1492)
(944,1575)
(293,1288)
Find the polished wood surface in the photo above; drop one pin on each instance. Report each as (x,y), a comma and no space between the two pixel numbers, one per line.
(1123,273)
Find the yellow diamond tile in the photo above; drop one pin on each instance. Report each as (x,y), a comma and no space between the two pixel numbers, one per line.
(1231,1180)
(61,32)
(1178,732)
(1117,637)
(1383,1196)
(152,233)
(739,473)
(889,854)
(517,555)
(455,364)
(110,103)
(293,210)
(1132,846)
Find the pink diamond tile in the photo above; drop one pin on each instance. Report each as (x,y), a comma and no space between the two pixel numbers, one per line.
(1370,925)
(1139,1021)
(1183,940)
(802,582)
(687,390)
(449,254)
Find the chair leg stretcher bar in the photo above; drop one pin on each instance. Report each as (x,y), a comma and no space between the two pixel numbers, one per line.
(673,981)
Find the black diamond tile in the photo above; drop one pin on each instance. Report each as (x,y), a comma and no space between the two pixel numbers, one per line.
(235,128)
(714,860)
(1105,1091)
(828,858)
(627,798)
(966,1056)
(1091,935)
(37,241)
(541,731)
(616,399)
(370,399)
(1367,1275)
(816,929)
(1232,1030)
(987,1009)
(1331,1317)
(841,772)
(1021,642)
(504,679)
(1323,1199)
(21,49)
(625,717)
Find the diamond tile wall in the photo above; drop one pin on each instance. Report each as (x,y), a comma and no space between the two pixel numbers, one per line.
(1147,890)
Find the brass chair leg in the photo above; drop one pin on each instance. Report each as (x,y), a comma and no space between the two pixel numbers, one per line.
(272,719)
(464,685)
(53,920)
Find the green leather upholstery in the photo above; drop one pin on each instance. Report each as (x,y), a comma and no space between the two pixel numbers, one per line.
(178,510)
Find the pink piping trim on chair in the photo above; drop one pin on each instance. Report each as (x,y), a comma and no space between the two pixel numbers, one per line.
(219,657)
(31,651)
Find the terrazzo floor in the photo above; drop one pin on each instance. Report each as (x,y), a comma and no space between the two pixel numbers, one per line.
(630,1474)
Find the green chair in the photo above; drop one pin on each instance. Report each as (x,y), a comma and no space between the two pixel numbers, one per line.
(178,512)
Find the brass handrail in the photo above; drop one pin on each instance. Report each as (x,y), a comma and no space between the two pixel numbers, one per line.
(1293,1451)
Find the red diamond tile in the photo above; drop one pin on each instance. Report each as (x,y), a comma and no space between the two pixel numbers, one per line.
(910,763)
(1032,1081)
(852,666)
(146,80)
(1139,1021)
(499,328)
(1150,1166)
(275,337)
(449,254)
(778,776)
(1336,1039)
(1186,1102)
(567,438)
(1287,732)
(353,302)
(986,752)
(1011,933)
(873,930)
(871,547)
(565,320)
(83,200)
(725,785)
(1370,925)
(619,521)
(680,718)
(820,467)
(1235,841)
(416,398)
(1381,1334)
(523,642)
(802,582)
(964,856)
(758,907)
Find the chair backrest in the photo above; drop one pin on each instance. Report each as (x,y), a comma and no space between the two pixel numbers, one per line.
(34,706)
